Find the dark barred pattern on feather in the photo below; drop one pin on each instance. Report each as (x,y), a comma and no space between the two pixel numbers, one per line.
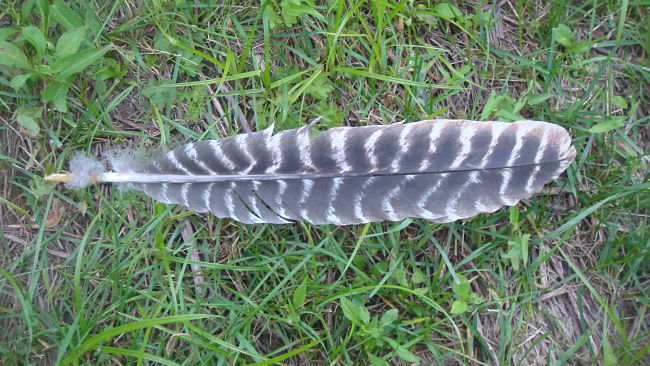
(438,170)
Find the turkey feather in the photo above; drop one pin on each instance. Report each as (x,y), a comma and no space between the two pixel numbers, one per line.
(438,170)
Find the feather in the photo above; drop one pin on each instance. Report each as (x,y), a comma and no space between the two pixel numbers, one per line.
(438,170)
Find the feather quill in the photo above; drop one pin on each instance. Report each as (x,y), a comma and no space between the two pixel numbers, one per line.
(438,170)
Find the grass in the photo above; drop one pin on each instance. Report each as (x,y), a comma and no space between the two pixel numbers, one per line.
(100,276)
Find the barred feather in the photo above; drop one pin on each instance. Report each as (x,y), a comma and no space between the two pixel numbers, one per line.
(438,170)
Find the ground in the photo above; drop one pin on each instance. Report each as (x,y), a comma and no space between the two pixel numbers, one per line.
(108,276)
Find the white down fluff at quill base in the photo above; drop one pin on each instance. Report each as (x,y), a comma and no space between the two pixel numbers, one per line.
(438,170)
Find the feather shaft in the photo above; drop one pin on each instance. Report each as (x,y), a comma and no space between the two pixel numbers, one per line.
(112,177)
